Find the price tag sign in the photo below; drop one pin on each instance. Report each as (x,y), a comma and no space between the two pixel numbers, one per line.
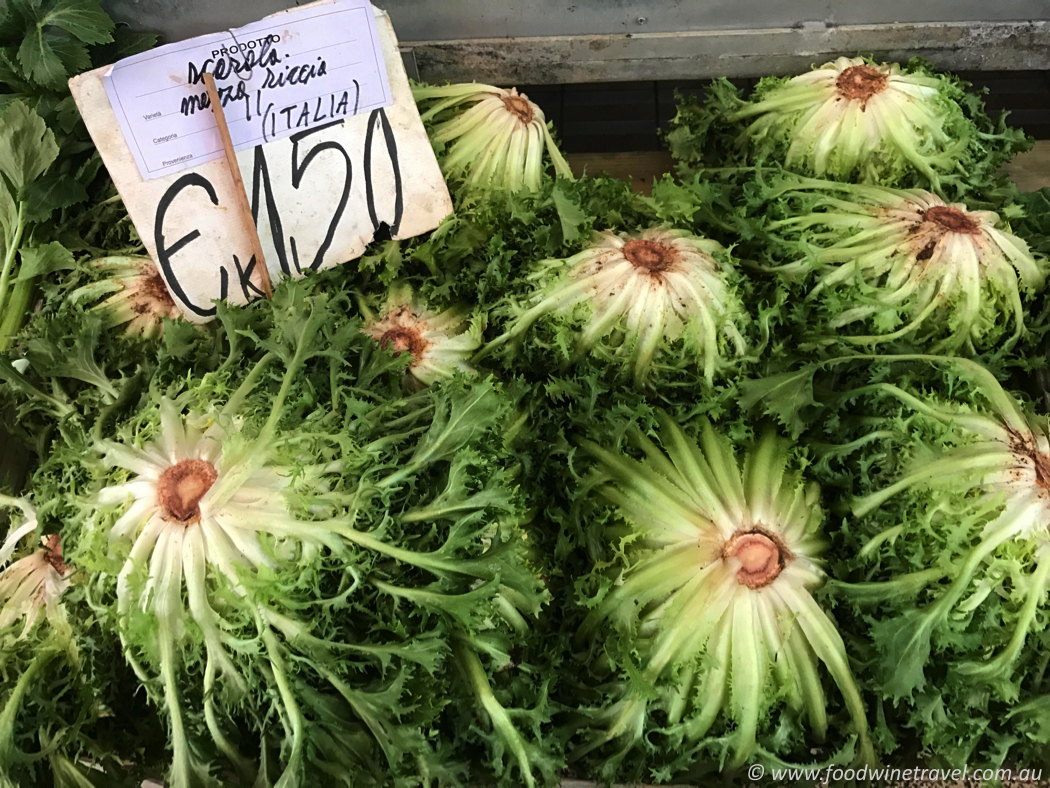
(328,143)
(275,77)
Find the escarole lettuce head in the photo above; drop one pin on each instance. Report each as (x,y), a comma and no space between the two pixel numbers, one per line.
(439,345)
(34,583)
(34,632)
(347,532)
(495,137)
(853,117)
(852,120)
(135,297)
(886,264)
(714,609)
(979,488)
(659,298)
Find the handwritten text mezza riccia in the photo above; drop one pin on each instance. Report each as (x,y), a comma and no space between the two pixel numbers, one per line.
(249,92)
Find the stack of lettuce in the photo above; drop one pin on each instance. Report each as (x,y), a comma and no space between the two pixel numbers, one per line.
(584,482)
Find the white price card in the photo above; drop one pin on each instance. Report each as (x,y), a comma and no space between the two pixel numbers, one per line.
(318,195)
(276,77)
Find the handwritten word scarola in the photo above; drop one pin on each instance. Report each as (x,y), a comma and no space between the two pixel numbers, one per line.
(274,78)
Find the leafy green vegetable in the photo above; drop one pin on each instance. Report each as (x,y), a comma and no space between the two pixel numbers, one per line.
(705,606)
(993,469)
(635,301)
(27,150)
(886,265)
(852,120)
(138,299)
(437,344)
(38,646)
(61,30)
(499,494)
(289,547)
(498,137)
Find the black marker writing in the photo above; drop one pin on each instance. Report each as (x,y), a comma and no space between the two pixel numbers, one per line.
(302,114)
(298,170)
(200,101)
(294,75)
(327,155)
(378,118)
(244,278)
(228,63)
(166,252)
(261,181)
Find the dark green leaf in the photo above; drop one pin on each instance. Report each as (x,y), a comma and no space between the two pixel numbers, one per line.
(18,382)
(45,259)
(88,170)
(784,396)
(569,213)
(181,338)
(73,54)
(16,19)
(78,362)
(386,259)
(50,192)
(27,145)
(905,643)
(67,116)
(454,426)
(85,19)
(10,74)
(40,61)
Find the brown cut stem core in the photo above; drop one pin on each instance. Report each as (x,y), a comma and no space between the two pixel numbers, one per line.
(762,556)
(181,488)
(952,219)
(861,83)
(1025,446)
(155,288)
(53,553)
(650,255)
(1042,470)
(519,106)
(402,340)
(150,294)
